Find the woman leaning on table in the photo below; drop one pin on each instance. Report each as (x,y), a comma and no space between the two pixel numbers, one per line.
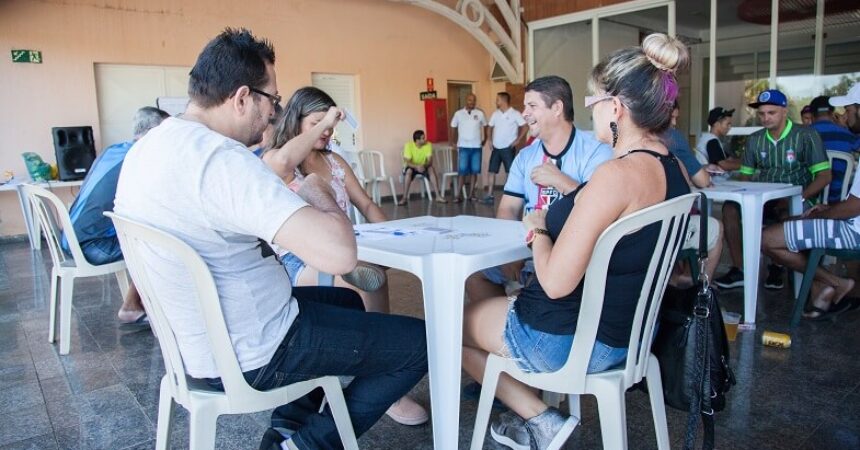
(633,92)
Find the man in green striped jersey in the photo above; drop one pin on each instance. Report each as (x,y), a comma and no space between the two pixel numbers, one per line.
(781,152)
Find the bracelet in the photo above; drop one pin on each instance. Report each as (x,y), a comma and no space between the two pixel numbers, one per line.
(533,234)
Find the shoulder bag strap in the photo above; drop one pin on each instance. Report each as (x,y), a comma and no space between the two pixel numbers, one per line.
(701,313)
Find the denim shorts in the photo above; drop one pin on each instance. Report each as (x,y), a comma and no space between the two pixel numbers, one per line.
(469,159)
(539,352)
(495,274)
(294,266)
(102,251)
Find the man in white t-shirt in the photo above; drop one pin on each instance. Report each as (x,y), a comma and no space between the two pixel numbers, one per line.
(469,126)
(507,130)
(834,226)
(195,178)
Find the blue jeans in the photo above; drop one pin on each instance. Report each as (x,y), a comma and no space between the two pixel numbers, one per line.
(102,251)
(469,160)
(386,354)
(539,352)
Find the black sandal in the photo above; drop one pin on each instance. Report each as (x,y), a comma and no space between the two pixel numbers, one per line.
(820,314)
(830,313)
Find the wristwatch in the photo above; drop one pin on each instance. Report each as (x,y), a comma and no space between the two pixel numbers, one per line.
(532,234)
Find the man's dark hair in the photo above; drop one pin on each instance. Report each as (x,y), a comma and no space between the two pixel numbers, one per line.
(553,88)
(235,58)
(418,134)
(505,96)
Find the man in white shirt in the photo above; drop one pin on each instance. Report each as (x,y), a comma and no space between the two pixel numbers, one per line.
(834,226)
(195,178)
(507,130)
(469,126)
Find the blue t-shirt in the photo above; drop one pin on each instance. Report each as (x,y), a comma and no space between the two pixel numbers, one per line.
(680,147)
(578,160)
(836,137)
(97,195)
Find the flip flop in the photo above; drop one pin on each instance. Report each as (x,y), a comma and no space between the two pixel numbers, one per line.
(820,314)
(142,320)
(828,314)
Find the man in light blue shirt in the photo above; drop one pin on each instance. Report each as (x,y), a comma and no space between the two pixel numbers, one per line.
(95,232)
(554,165)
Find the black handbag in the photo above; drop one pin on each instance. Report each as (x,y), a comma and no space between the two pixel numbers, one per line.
(692,349)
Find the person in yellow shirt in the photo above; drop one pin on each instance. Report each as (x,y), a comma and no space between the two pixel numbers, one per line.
(418,160)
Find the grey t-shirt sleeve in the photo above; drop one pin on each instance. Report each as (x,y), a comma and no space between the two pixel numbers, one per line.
(240,194)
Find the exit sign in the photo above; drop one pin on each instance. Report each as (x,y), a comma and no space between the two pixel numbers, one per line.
(27,56)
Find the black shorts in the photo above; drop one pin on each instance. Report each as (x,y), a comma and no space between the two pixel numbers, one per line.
(501,156)
(415,172)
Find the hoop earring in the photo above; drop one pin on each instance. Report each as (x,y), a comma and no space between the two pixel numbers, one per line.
(614,127)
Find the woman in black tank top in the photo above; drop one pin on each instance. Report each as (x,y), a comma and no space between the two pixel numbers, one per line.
(634,90)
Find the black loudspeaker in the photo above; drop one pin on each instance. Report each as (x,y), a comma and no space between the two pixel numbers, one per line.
(75,150)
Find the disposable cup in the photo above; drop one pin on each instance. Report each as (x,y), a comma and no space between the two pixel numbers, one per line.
(731,321)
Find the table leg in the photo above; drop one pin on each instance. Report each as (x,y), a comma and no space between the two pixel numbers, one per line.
(34,231)
(443,313)
(751,215)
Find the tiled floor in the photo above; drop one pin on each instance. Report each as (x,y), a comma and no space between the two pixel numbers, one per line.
(104,394)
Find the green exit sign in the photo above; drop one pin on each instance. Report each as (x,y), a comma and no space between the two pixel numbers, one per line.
(27,56)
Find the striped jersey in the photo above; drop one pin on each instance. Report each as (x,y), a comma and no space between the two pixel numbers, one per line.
(794,158)
(837,138)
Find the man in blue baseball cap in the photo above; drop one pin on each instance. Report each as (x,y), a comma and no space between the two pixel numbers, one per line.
(781,152)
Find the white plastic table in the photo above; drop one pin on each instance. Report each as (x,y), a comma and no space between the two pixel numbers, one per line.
(33,229)
(442,261)
(751,196)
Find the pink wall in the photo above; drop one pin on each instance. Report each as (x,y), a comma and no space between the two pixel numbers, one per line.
(392,47)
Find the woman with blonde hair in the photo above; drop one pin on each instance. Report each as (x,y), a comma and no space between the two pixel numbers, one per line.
(633,93)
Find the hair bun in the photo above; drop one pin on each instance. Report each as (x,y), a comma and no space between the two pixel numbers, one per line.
(666,53)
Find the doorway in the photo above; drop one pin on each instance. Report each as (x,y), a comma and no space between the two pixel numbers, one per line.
(457,93)
(342,89)
(122,89)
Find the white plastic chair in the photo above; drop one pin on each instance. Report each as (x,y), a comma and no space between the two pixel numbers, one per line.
(373,166)
(354,161)
(850,167)
(446,166)
(418,177)
(53,216)
(609,387)
(203,403)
